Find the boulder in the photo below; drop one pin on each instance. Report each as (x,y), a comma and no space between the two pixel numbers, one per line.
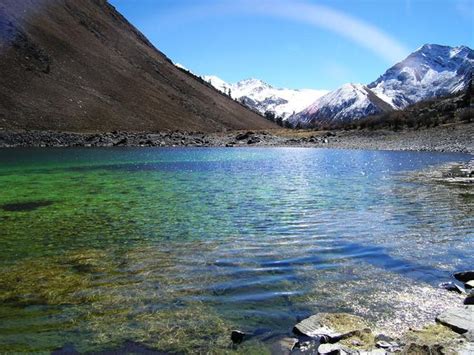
(461,320)
(464,276)
(254,140)
(243,136)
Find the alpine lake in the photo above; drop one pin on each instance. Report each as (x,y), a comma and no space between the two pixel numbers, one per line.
(172,248)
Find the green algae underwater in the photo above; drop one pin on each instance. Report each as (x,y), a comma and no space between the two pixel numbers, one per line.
(174,248)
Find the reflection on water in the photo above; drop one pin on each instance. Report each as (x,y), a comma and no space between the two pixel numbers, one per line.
(172,248)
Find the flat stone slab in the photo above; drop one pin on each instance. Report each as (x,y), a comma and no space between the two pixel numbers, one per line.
(313,329)
(461,320)
(316,327)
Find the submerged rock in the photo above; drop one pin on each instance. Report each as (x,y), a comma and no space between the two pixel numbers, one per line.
(238,336)
(461,320)
(283,346)
(25,206)
(464,276)
(451,286)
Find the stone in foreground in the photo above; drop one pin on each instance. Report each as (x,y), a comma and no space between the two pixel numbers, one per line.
(461,320)
(333,327)
(464,276)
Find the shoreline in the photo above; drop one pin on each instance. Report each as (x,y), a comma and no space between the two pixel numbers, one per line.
(455,138)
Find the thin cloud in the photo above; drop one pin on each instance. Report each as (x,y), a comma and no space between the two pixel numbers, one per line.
(350,27)
(466,9)
(345,25)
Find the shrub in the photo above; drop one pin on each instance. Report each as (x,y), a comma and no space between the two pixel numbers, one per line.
(467,114)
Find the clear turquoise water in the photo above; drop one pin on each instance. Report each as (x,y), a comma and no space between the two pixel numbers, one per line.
(172,248)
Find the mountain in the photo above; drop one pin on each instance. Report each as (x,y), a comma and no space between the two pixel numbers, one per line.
(431,71)
(80,66)
(263,97)
(341,105)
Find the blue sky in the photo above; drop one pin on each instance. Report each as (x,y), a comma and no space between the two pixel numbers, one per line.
(317,44)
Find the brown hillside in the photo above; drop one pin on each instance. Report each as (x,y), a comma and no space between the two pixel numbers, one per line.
(78,65)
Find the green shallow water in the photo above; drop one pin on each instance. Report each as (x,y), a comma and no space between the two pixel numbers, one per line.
(173,248)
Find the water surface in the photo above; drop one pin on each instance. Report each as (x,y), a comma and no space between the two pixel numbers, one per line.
(172,248)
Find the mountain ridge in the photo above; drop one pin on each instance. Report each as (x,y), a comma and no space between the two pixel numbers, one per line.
(265,98)
(429,72)
(81,66)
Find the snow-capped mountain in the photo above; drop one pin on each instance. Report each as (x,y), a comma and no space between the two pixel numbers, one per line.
(431,71)
(343,104)
(262,97)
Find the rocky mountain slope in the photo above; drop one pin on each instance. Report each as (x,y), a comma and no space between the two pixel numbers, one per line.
(78,65)
(432,71)
(263,97)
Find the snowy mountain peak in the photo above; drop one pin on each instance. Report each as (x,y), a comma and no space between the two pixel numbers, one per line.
(431,71)
(349,102)
(252,82)
(262,97)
